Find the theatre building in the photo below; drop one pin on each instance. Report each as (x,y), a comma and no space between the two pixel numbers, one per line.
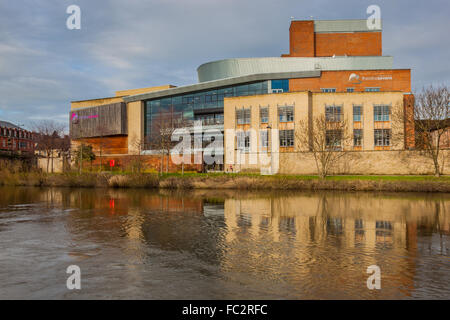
(333,67)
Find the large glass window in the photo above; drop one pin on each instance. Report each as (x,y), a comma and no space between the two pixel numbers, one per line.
(281,85)
(243,116)
(264,114)
(333,113)
(381,113)
(382,137)
(243,140)
(185,107)
(264,138)
(286,138)
(357,113)
(357,137)
(333,139)
(286,113)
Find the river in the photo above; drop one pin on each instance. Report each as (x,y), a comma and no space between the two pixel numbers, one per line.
(146,244)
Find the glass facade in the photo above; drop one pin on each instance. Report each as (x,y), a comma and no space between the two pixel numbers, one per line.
(281,85)
(196,105)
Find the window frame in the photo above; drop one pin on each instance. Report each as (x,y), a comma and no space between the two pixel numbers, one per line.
(384,113)
(360,113)
(286,114)
(358,138)
(286,138)
(382,137)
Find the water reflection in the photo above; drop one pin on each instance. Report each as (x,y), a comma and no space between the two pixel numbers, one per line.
(148,244)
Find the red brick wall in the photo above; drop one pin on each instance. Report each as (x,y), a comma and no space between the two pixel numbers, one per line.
(408,105)
(401,81)
(301,39)
(148,162)
(304,42)
(350,44)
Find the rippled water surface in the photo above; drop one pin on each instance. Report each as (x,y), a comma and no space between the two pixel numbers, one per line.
(222,245)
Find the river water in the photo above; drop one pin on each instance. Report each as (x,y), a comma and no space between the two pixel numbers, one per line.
(141,244)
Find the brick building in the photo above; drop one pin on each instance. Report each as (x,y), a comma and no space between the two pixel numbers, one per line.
(15,139)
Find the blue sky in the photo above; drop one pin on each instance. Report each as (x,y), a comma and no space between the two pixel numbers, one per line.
(130,44)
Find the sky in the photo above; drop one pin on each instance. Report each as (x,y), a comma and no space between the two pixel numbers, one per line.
(131,44)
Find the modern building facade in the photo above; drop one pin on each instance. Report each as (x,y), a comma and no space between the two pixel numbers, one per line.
(331,65)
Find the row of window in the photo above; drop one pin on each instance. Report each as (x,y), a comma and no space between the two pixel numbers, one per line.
(21,144)
(286,139)
(15,133)
(382,138)
(368,89)
(333,113)
(210,119)
(285,114)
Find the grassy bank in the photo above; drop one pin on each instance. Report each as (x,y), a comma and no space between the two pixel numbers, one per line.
(229,181)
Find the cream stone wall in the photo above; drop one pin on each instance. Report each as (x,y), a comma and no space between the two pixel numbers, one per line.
(135,113)
(402,162)
(308,106)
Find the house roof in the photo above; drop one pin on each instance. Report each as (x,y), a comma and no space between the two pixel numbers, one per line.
(9,125)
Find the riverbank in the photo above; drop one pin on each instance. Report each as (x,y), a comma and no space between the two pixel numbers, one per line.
(229,181)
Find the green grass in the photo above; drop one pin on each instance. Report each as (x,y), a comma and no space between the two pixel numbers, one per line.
(311,177)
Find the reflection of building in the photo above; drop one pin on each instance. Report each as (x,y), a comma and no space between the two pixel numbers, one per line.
(298,245)
(341,59)
(329,239)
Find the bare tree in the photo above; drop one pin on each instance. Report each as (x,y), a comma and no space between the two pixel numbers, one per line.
(48,138)
(430,121)
(101,130)
(138,145)
(327,138)
(163,127)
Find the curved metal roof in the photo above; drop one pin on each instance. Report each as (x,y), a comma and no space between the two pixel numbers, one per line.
(229,68)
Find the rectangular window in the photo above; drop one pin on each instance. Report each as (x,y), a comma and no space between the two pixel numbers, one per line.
(382,137)
(263,138)
(286,138)
(286,113)
(264,114)
(243,141)
(333,113)
(372,89)
(350,89)
(219,118)
(333,139)
(357,137)
(328,90)
(243,116)
(357,113)
(381,113)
